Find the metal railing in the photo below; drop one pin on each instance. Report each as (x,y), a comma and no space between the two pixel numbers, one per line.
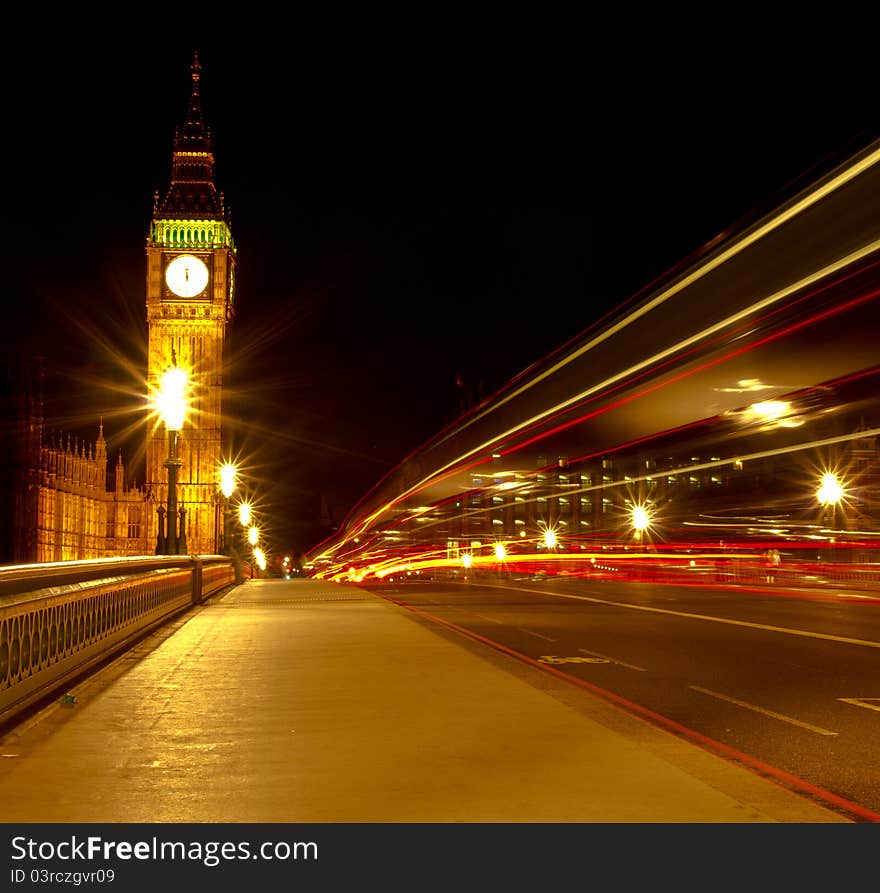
(58,620)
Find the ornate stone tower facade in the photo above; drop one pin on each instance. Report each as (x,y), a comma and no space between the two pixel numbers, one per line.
(190,284)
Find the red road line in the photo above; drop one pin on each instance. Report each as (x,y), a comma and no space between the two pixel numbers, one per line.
(785,779)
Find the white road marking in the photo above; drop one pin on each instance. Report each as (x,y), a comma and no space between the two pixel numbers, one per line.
(860,702)
(522,629)
(614,660)
(773,629)
(782,716)
(484,617)
(553,659)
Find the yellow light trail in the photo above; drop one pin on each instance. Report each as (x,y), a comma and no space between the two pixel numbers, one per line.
(748,238)
(651,361)
(717,463)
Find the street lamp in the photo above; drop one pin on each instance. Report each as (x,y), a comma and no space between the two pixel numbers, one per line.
(171,404)
(829,494)
(244,514)
(830,490)
(228,482)
(640,519)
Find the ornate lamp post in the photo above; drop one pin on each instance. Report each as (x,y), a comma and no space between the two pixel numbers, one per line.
(830,494)
(228,483)
(172,407)
(245,514)
(640,522)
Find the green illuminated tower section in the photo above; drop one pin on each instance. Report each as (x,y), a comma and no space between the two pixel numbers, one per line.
(190,283)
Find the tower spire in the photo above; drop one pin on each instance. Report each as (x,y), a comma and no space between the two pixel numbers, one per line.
(194,135)
(192,192)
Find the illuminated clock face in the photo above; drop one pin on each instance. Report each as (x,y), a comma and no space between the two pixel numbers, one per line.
(186,276)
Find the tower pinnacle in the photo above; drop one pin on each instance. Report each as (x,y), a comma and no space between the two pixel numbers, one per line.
(192,192)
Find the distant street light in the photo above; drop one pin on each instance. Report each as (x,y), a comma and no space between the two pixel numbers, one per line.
(640,519)
(550,539)
(253,535)
(228,475)
(830,490)
(228,479)
(237,544)
(829,494)
(171,404)
(244,514)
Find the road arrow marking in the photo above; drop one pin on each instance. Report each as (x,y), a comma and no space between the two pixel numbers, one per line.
(860,702)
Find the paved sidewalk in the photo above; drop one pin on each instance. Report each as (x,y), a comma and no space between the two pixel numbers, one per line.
(297,701)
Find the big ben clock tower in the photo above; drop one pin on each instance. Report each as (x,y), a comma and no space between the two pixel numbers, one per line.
(190,282)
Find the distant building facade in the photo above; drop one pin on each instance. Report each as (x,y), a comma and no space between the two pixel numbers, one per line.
(81,512)
(65,503)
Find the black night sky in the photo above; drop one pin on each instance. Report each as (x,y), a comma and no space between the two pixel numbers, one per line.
(403,219)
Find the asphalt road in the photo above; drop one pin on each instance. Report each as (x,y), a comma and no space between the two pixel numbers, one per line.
(789,680)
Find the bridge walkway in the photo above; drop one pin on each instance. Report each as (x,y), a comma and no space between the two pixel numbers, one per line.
(300,701)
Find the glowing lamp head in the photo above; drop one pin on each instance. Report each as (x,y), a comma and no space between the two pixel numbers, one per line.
(500,551)
(641,520)
(550,538)
(253,535)
(467,559)
(244,514)
(830,491)
(172,398)
(228,476)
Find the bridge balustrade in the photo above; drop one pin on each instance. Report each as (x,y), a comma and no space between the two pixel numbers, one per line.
(59,620)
